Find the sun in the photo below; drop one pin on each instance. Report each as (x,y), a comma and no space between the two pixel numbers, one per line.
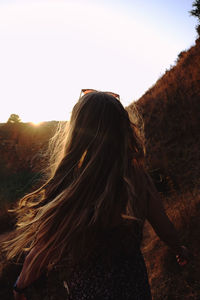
(36,123)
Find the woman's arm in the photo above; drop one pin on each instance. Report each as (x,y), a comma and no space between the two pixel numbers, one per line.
(161,224)
(163,227)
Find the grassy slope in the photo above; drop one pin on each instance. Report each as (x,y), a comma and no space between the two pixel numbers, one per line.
(168,280)
(23,156)
(171,113)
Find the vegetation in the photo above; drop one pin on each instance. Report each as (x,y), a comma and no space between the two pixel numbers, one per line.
(14,119)
(196,13)
(23,159)
(171,114)
(196,9)
(23,146)
(168,280)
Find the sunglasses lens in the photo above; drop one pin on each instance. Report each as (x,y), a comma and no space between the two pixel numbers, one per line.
(114,95)
(87,91)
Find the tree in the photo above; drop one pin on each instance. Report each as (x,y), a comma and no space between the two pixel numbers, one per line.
(14,119)
(196,13)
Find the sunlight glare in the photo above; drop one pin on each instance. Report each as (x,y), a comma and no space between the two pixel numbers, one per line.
(51,49)
(36,123)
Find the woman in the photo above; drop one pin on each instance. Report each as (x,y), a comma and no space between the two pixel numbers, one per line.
(86,221)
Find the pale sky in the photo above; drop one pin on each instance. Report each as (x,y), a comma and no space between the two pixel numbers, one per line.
(50,50)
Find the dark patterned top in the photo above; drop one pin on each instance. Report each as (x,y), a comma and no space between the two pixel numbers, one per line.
(115,271)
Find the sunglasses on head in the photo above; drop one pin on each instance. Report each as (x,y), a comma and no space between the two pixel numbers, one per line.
(87,91)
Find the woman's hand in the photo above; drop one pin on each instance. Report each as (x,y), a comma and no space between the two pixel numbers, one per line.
(18,296)
(183,256)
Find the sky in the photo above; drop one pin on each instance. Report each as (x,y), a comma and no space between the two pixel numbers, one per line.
(50,50)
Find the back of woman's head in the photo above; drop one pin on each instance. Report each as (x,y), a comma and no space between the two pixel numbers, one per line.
(97,159)
(100,121)
(98,178)
(97,132)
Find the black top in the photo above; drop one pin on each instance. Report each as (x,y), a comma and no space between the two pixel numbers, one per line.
(115,270)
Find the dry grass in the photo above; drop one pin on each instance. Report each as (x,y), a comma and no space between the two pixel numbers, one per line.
(168,280)
(171,114)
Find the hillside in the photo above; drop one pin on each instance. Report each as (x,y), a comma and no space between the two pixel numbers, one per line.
(23,145)
(171,113)
(171,117)
(23,157)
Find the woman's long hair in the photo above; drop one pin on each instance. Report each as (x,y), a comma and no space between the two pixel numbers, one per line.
(99,177)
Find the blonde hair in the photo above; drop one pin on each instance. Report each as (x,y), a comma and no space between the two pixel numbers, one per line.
(98,176)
